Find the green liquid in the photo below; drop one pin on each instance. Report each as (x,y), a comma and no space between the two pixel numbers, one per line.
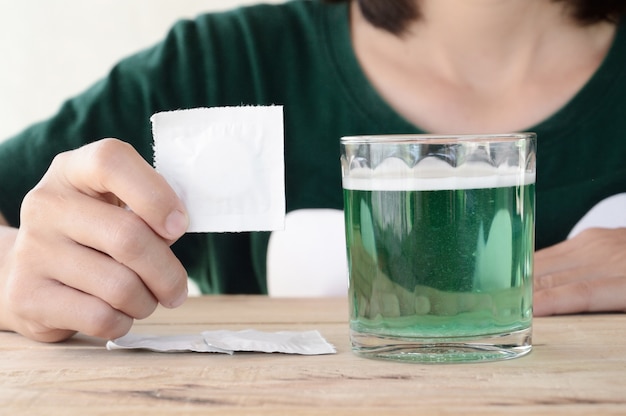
(440,264)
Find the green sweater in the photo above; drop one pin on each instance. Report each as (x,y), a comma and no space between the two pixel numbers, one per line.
(299,55)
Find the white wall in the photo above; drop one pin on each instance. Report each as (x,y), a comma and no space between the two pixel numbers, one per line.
(53,49)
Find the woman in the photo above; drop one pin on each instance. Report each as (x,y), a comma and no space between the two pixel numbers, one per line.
(80,261)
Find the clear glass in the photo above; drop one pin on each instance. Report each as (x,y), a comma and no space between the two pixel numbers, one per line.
(440,242)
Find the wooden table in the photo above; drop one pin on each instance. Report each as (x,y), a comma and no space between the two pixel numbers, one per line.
(577,367)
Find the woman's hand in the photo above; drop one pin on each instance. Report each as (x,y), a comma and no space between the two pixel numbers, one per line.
(93,249)
(584,274)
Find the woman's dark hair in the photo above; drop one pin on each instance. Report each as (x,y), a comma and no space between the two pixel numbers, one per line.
(395,15)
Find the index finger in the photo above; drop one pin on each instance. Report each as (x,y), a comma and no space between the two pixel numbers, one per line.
(599,295)
(111,166)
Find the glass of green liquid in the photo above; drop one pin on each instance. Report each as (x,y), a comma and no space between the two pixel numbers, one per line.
(440,241)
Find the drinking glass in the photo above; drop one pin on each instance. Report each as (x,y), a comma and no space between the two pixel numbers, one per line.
(440,242)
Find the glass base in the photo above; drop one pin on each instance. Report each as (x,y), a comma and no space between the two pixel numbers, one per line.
(446,350)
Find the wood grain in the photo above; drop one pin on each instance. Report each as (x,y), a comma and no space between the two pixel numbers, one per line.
(578,366)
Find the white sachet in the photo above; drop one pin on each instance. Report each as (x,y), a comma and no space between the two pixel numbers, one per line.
(226,164)
(167,343)
(222,341)
(287,342)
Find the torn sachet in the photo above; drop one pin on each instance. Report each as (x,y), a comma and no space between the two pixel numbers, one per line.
(226,164)
(228,342)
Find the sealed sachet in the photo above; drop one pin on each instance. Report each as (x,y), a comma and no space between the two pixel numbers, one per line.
(226,164)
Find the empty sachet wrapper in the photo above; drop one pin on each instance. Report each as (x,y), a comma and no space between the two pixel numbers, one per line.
(229,342)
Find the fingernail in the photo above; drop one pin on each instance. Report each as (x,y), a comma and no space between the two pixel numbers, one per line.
(180,300)
(176,223)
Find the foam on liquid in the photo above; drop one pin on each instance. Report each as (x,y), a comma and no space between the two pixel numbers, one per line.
(432,174)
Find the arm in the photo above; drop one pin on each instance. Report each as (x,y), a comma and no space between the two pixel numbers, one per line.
(584,274)
(81,261)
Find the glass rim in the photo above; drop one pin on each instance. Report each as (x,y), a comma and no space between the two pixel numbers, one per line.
(437,138)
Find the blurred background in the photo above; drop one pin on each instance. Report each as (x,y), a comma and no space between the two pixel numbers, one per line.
(53,49)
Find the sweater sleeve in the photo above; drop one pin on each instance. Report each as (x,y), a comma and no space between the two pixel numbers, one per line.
(256,55)
(165,76)
(201,62)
